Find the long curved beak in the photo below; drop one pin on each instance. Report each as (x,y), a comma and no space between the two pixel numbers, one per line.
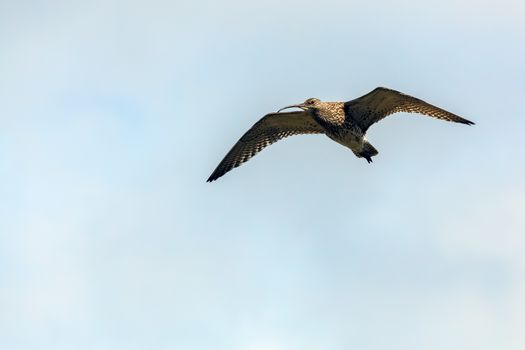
(302,106)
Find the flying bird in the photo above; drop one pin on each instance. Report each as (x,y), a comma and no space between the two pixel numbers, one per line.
(343,122)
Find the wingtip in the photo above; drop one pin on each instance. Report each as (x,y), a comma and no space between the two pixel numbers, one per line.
(214,177)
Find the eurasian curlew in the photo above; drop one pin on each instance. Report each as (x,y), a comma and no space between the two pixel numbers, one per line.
(343,122)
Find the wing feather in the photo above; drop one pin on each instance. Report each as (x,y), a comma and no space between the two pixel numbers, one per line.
(269,129)
(382,102)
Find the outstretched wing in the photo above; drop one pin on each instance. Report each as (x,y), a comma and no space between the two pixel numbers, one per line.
(381,102)
(271,128)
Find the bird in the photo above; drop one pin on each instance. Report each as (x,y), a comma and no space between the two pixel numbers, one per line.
(343,122)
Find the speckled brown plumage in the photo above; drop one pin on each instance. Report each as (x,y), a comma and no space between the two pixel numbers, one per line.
(271,128)
(382,102)
(343,122)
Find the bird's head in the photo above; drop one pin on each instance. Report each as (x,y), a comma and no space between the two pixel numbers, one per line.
(310,103)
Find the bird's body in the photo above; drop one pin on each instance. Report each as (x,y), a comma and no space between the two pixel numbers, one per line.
(331,117)
(343,122)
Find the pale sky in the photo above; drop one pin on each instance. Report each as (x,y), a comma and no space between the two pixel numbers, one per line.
(114,113)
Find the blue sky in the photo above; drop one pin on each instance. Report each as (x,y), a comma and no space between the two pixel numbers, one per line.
(114,113)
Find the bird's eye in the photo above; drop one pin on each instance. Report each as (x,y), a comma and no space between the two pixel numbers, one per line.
(310,102)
